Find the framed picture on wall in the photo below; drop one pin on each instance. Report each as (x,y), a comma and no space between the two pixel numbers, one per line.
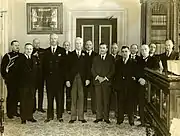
(44,18)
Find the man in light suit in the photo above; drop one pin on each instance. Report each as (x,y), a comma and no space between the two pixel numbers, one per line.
(90,54)
(54,73)
(169,54)
(102,71)
(77,78)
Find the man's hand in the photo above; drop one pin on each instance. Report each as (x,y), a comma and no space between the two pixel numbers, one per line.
(142,81)
(87,82)
(68,84)
(100,79)
(133,78)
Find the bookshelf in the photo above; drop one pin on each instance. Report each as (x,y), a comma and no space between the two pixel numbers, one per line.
(157,23)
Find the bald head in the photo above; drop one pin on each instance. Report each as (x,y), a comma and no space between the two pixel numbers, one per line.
(89,45)
(114,49)
(53,39)
(36,43)
(145,50)
(78,43)
(169,45)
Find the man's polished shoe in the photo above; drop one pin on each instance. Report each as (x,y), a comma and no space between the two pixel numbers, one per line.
(23,121)
(32,120)
(97,120)
(107,121)
(83,121)
(141,125)
(17,115)
(119,122)
(10,116)
(60,120)
(48,119)
(41,110)
(71,121)
(132,123)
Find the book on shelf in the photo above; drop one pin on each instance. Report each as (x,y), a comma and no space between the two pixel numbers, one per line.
(159,20)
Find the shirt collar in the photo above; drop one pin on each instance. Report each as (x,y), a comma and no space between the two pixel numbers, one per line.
(89,52)
(78,51)
(52,47)
(27,56)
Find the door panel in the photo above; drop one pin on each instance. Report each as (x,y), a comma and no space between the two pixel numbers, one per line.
(87,32)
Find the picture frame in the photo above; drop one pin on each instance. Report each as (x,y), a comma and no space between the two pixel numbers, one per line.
(44,18)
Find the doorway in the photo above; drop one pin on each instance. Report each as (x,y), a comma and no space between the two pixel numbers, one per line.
(97,30)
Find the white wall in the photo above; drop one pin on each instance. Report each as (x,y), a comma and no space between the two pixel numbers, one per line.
(18,24)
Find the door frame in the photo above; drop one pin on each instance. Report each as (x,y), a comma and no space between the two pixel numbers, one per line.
(120,14)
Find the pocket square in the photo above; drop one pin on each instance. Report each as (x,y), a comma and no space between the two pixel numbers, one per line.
(59,54)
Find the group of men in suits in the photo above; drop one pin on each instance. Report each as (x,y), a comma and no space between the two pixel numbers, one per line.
(108,78)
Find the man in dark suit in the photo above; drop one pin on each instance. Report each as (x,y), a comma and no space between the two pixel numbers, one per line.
(66,46)
(113,96)
(54,73)
(90,54)
(169,54)
(152,50)
(78,77)
(39,53)
(135,58)
(9,74)
(145,61)
(124,81)
(28,77)
(102,71)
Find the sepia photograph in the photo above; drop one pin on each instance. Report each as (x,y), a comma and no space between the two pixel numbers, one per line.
(89,67)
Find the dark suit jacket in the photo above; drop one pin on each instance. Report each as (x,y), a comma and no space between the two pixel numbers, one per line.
(124,74)
(116,58)
(90,61)
(173,56)
(54,65)
(78,65)
(151,63)
(67,63)
(27,71)
(103,68)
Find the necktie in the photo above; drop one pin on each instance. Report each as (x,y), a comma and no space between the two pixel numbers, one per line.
(167,53)
(78,53)
(102,57)
(53,50)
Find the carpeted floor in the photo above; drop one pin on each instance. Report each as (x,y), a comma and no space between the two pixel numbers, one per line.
(54,128)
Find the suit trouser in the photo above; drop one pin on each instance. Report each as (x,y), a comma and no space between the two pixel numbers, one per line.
(27,102)
(40,88)
(90,89)
(12,99)
(125,102)
(55,91)
(68,98)
(141,96)
(113,101)
(77,99)
(102,100)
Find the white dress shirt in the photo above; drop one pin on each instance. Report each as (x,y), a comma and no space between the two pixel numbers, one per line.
(53,47)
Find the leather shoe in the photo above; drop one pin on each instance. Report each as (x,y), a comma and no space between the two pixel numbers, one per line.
(41,110)
(32,120)
(23,121)
(71,121)
(119,122)
(83,121)
(60,120)
(97,120)
(10,116)
(47,120)
(17,115)
(132,123)
(141,125)
(107,121)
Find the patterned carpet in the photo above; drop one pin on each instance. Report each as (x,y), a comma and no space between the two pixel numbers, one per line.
(54,128)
